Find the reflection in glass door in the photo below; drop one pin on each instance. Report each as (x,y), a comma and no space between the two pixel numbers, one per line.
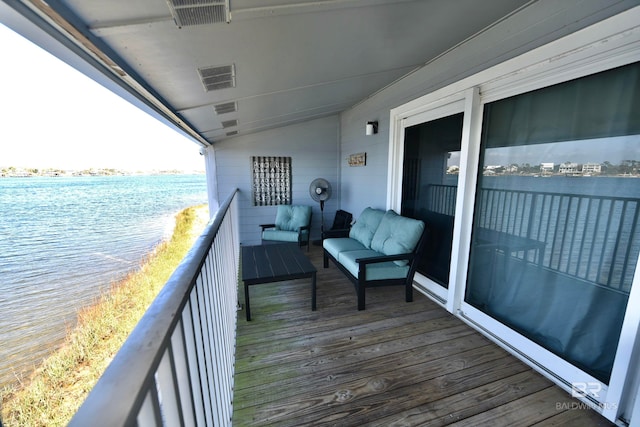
(429,188)
(556,231)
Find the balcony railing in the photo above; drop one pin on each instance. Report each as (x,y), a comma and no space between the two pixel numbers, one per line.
(177,366)
(593,238)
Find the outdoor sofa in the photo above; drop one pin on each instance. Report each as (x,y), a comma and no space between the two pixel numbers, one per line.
(382,249)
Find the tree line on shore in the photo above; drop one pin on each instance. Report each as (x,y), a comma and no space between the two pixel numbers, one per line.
(14,172)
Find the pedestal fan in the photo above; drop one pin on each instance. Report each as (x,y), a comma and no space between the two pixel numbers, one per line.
(320,191)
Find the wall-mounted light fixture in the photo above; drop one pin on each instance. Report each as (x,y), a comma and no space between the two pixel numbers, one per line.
(372,128)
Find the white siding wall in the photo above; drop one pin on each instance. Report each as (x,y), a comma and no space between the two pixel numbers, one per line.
(313,148)
(364,186)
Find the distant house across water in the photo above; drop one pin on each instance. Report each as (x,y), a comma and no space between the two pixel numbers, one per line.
(546,168)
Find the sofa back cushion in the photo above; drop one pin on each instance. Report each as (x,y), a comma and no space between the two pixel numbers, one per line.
(397,235)
(366,226)
(292,217)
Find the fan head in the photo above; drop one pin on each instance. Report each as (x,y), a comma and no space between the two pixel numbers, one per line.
(320,189)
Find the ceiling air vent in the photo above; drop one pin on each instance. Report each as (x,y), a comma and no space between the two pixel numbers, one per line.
(229,123)
(227,107)
(232,133)
(187,13)
(214,78)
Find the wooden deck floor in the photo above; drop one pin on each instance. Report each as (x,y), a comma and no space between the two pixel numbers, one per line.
(394,364)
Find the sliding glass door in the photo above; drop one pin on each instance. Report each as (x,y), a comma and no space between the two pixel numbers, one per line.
(556,228)
(429,188)
(527,175)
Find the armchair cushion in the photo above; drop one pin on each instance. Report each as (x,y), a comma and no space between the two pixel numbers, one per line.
(284,235)
(292,217)
(366,225)
(397,235)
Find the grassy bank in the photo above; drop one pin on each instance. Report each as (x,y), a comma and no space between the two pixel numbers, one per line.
(59,386)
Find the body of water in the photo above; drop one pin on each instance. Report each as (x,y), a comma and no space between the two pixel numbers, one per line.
(65,240)
(589,185)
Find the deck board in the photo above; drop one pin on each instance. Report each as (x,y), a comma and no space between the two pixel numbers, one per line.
(394,364)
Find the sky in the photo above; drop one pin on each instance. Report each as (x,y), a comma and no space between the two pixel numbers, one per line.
(52,116)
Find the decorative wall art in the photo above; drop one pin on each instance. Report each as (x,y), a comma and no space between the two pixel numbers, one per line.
(271,183)
(358,159)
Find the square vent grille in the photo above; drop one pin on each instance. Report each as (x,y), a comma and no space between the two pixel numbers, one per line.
(229,123)
(232,133)
(188,13)
(215,78)
(227,107)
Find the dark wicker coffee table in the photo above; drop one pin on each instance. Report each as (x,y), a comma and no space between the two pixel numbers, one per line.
(275,263)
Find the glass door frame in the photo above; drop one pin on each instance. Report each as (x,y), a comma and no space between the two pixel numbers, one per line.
(605,45)
(457,103)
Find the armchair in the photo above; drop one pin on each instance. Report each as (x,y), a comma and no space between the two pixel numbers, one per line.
(341,225)
(292,224)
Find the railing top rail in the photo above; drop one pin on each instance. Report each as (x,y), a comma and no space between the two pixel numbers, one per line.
(118,390)
(547,193)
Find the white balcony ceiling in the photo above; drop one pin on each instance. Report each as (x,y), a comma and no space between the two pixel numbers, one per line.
(294,60)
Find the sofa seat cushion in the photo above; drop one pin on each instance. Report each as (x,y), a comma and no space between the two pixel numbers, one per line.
(283,235)
(376,271)
(397,235)
(366,226)
(292,217)
(337,245)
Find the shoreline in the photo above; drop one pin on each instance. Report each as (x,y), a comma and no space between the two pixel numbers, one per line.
(51,394)
(26,172)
